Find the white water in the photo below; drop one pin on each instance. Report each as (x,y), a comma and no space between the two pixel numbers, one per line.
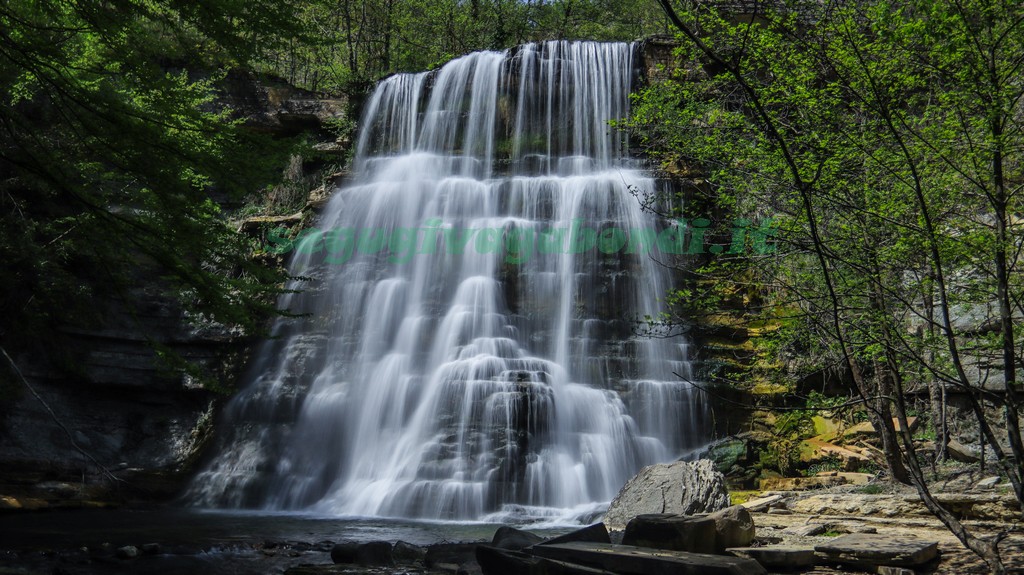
(492,381)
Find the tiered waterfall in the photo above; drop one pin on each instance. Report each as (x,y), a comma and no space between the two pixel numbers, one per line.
(473,298)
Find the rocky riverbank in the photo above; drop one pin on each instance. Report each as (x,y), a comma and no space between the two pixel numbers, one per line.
(797,527)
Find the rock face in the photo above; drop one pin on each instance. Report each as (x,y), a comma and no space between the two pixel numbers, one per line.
(119,401)
(270,104)
(143,418)
(681,488)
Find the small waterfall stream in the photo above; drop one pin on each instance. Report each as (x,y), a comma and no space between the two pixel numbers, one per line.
(470,348)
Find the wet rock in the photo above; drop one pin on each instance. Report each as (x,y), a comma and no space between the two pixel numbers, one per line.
(513,539)
(871,550)
(469,568)
(344,552)
(682,487)
(628,560)
(151,549)
(596,533)
(783,557)
(673,532)
(324,546)
(127,552)
(406,553)
(450,554)
(375,553)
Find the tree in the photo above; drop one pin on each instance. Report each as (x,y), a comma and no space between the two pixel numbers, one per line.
(358,41)
(110,152)
(886,136)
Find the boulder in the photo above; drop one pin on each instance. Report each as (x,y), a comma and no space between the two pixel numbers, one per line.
(682,487)
(629,560)
(127,552)
(344,552)
(781,557)
(672,532)
(731,527)
(375,553)
(961,452)
(734,527)
(513,539)
(406,553)
(450,554)
(863,549)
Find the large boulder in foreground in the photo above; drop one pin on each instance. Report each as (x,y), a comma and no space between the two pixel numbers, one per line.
(682,487)
(714,533)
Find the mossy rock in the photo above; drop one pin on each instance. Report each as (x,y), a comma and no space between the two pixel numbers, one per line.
(824,427)
(729,453)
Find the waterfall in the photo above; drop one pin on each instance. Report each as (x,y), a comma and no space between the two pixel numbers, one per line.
(468,346)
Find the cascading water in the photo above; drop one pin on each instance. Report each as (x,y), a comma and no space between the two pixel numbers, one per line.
(470,344)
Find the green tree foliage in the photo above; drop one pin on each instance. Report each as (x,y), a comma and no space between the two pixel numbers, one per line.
(110,151)
(356,41)
(887,139)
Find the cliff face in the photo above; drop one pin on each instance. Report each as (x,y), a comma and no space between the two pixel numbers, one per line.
(108,395)
(115,388)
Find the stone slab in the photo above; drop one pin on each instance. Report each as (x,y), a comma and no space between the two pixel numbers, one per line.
(806,530)
(494,561)
(596,533)
(872,549)
(777,556)
(629,560)
(672,532)
(761,503)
